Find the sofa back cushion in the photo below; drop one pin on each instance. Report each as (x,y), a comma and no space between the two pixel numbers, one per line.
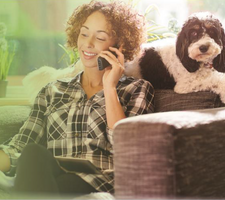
(168,100)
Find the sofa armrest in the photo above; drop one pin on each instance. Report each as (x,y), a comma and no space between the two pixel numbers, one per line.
(200,164)
(173,153)
(144,160)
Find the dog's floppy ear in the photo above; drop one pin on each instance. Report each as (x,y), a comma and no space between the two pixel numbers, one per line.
(182,49)
(219,61)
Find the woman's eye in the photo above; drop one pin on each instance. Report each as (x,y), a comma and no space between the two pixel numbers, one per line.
(83,34)
(101,39)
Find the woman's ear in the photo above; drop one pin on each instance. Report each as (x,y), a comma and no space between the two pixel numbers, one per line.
(182,45)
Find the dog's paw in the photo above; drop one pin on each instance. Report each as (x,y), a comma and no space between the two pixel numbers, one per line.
(222,97)
(182,89)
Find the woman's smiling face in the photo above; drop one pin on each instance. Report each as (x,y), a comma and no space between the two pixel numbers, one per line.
(95,36)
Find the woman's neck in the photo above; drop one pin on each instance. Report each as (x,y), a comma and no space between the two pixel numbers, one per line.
(91,78)
(91,82)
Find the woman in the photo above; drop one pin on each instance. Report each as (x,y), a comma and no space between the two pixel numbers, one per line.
(75,118)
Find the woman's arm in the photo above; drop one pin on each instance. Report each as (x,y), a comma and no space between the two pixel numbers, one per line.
(114,110)
(32,131)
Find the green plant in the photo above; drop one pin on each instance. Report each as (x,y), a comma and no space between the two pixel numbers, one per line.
(72,54)
(6,56)
(156,31)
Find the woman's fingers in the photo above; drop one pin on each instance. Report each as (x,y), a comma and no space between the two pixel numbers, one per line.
(121,48)
(119,53)
(111,58)
(113,74)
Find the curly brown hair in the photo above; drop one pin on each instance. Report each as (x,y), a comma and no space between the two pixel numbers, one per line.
(128,27)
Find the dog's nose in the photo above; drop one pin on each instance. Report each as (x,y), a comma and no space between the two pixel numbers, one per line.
(204,48)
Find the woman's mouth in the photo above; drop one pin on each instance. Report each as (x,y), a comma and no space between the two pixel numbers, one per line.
(89,55)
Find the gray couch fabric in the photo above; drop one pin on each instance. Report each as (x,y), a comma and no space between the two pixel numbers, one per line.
(144,161)
(200,163)
(168,100)
(183,154)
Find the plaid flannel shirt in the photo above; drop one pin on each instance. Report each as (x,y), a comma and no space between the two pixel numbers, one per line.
(69,124)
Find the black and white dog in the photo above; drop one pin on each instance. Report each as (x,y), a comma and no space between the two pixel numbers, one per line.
(194,61)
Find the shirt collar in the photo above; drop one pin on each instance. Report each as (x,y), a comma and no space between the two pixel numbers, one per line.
(72,81)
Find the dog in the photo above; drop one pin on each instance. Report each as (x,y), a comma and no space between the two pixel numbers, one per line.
(193,61)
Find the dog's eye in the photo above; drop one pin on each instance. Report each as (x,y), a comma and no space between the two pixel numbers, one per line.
(194,34)
(212,32)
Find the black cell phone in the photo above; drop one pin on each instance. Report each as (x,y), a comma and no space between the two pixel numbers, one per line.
(103,63)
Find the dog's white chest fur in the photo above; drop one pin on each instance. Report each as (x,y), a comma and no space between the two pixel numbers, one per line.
(204,79)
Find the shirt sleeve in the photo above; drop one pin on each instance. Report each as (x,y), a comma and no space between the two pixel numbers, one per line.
(139,96)
(141,99)
(32,131)
(109,132)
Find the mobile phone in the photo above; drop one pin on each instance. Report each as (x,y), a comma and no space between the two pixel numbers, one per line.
(103,63)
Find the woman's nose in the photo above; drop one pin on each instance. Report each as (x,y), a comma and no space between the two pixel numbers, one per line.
(90,42)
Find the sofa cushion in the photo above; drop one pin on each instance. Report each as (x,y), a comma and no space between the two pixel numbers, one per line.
(11,119)
(168,100)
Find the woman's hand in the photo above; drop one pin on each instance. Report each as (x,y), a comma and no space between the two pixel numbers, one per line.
(114,110)
(114,72)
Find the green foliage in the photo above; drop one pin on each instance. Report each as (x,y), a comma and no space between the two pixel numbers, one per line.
(71,54)
(155,32)
(6,56)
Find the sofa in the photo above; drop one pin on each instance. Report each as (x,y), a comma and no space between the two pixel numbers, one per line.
(177,151)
